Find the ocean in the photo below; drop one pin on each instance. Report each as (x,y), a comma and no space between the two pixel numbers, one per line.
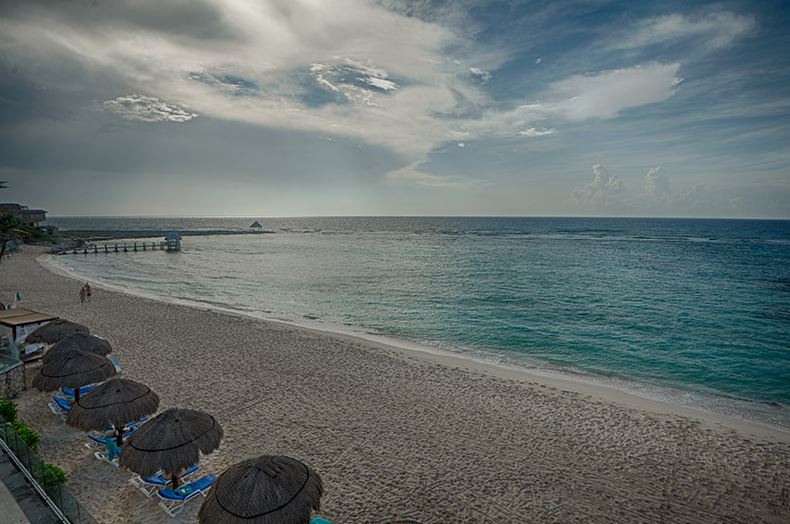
(695,312)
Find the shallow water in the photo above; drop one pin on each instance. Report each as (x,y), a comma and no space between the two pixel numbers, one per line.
(697,307)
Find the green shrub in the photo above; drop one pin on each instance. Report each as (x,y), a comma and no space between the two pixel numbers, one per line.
(55,472)
(7,410)
(26,434)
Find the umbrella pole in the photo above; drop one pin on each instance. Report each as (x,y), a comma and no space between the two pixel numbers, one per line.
(174,480)
(76,395)
(119,436)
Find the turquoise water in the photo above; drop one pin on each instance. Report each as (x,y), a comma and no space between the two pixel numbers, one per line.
(699,306)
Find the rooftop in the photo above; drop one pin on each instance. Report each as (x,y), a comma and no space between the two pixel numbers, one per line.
(22,316)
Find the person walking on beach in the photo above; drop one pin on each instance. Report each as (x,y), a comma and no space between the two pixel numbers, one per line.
(87,292)
(83,295)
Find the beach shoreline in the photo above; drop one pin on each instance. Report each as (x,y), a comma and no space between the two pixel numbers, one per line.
(399,433)
(581,384)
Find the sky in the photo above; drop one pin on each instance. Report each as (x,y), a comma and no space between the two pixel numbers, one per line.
(390,107)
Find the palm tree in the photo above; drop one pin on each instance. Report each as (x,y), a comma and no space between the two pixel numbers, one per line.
(11,228)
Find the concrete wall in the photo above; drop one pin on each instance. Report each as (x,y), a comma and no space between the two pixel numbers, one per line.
(12,381)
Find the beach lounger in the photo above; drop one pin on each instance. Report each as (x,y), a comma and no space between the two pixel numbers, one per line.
(149,485)
(59,406)
(172,501)
(116,361)
(69,392)
(95,441)
(32,352)
(100,440)
(102,455)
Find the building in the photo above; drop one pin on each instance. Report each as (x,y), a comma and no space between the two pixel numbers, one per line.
(256,226)
(173,241)
(29,217)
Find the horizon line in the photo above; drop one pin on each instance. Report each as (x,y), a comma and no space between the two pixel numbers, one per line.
(263,217)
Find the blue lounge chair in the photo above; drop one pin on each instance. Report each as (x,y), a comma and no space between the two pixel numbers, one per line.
(172,501)
(116,362)
(95,440)
(59,406)
(100,440)
(102,455)
(69,392)
(149,485)
(136,425)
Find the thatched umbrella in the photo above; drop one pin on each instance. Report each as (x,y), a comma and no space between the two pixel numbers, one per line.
(78,341)
(118,401)
(55,331)
(172,441)
(73,370)
(264,490)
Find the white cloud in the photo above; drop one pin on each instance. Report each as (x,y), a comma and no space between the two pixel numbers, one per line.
(382,83)
(582,97)
(532,132)
(482,74)
(657,184)
(412,175)
(147,109)
(607,93)
(658,193)
(602,192)
(713,30)
(354,80)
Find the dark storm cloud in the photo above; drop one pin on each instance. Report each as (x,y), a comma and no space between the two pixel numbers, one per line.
(199,19)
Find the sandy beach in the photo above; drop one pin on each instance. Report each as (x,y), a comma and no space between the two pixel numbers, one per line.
(398,433)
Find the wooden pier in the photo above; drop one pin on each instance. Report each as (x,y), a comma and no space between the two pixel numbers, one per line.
(171,244)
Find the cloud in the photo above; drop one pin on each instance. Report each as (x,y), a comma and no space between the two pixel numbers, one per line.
(603,191)
(711,31)
(412,175)
(604,94)
(483,75)
(353,82)
(532,132)
(658,193)
(352,68)
(657,185)
(147,109)
(607,93)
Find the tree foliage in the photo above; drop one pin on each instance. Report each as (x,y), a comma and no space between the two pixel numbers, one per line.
(11,228)
(7,410)
(27,434)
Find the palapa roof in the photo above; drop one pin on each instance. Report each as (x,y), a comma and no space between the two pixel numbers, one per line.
(256,224)
(118,401)
(171,441)
(21,316)
(55,331)
(264,490)
(73,370)
(78,342)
